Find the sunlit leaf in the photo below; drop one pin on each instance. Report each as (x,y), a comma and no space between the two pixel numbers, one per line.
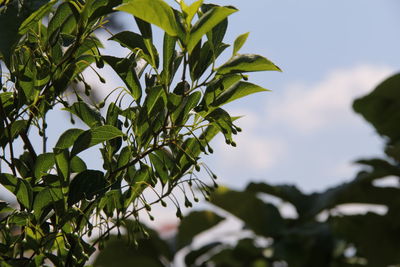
(239,42)
(247,63)
(206,22)
(156,12)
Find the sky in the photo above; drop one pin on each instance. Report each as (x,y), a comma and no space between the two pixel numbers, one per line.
(303,132)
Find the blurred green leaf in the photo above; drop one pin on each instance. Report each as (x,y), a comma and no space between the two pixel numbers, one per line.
(195,223)
(262,218)
(381,108)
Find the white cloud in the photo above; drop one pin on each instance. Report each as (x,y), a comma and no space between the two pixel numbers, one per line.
(254,150)
(308,108)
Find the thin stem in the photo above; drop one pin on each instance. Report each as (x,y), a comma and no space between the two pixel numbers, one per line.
(44,138)
(10,138)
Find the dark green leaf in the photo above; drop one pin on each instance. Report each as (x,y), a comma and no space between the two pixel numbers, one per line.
(87,114)
(125,68)
(43,163)
(86,185)
(68,138)
(160,167)
(95,136)
(45,198)
(130,40)
(35,17)
(19,187)
(62,14)
(155,95)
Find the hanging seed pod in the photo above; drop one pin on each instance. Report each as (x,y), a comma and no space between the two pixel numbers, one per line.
(163,203)
(101,104)
(179,213)
(147,206)
(188,204)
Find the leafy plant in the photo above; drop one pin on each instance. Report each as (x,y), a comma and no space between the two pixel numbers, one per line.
(154,130)
(308,239)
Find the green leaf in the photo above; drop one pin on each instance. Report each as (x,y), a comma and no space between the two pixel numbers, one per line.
(144,28)
(139,181)
(125,69)
(155,95)
(236,91)
(19,187)
(130,40)
(43,163)
(47,197)
(95,136)
(9,22)
(239,42)
(168,57)
(17,127)
(160,168)
(68,138)
(247,63)
(191,10)
(381,108)
(87,114)
(62,14)
(62,162)
(35,17)
(156,12)
(86,185)
(77,165)
(206,23)
(195,223)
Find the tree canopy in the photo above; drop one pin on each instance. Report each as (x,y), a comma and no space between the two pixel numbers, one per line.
(150,132)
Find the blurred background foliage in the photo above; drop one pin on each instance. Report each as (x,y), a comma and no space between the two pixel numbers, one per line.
(317,234)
